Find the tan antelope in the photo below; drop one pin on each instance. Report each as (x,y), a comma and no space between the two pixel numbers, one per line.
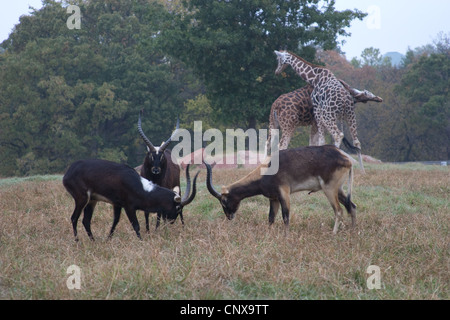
(310,169)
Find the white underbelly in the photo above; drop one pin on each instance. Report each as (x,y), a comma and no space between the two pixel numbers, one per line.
(311,184)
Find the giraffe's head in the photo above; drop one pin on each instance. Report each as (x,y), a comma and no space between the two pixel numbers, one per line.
(366,95)
(361,96)
(282,58)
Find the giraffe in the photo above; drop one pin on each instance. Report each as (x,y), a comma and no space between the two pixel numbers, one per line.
(292,109)
(331,100)
(295,109)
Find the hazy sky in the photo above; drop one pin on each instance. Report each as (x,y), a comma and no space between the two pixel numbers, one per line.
(393,25)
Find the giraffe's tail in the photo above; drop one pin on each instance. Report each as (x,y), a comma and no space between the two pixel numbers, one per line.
(356,150)
(273,125)
(276,124)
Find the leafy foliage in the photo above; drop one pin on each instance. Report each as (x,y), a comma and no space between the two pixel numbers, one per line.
(69,94)
(427,126)
(412,122)
(230,44)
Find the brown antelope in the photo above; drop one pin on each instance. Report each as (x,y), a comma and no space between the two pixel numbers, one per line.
(310,169)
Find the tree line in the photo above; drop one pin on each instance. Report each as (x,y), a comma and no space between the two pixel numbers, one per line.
(68,94)
(413,121)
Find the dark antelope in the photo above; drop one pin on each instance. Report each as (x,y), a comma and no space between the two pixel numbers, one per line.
(90,181)
(158,167)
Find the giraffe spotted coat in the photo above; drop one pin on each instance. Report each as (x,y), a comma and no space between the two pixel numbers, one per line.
(295,109)
(331,101)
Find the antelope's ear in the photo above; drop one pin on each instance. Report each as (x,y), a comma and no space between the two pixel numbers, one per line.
(225,191)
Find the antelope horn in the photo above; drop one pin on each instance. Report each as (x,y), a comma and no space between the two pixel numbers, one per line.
(165,144)
(144,137)
(186,197)
(209,182)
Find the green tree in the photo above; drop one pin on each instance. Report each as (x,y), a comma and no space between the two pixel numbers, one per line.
(413,121)
(355,62)
(371,57)
(230,44)
(427,125)
(69,94)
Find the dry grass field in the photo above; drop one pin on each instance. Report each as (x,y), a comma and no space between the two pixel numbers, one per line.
(403,228)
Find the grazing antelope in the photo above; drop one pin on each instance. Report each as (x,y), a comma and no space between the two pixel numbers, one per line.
(159,168)
(303,169)
(90,181)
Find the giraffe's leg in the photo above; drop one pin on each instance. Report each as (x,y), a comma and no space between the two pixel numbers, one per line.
(286,137)
(351,122)
(331,125)
(320,132)
(337,137)
(314,134)
(268,149)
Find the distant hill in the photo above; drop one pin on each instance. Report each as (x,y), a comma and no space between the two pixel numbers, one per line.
(396,57)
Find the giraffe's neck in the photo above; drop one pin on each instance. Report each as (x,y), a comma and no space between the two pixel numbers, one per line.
(306,71)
